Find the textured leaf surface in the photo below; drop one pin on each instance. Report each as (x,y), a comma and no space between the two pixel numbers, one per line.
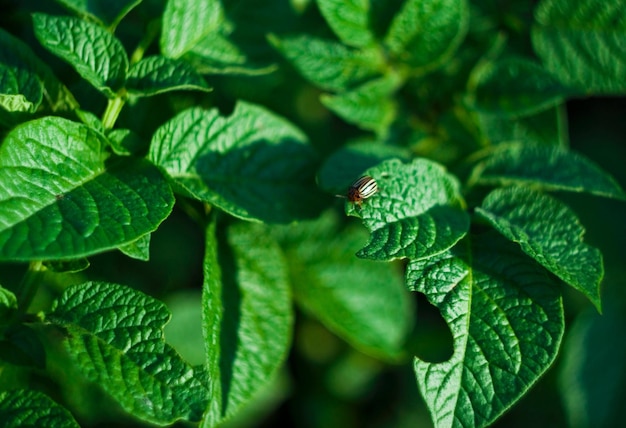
(583,43)
(329,65)
(363,302)
(425,32)
(247,316)
(115,337)
(506,318)
(252,164)
(551,168)
(158,74)
(349,20)
(517,87)
(413,212)
(107,11)
(545,128)
(370,106)
(60,197)
(549,232)
(138,249)
(95,53)
(24,408)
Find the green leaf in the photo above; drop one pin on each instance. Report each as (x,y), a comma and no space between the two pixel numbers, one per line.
(20,89)
(506,319)
(431,233)
(371,106)
(95,53)
(125,142)
(247,316)
(252,164)
(61,198)
(158,74)
(516,87)
(549,232)
(404,191)
(114,334)
(363,302)
(592,375)
(138,249)
(329,65)
(8,303)
(352,160)
(109,12)
(26,408)
(551,168)
(70,266)
(583,43)
(349,19)
(545,128)
(426,32)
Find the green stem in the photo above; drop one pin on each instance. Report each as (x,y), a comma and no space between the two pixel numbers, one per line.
(151,32)
(114,107)
(29,285)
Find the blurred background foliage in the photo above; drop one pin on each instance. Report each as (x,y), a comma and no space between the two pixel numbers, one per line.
(327,383)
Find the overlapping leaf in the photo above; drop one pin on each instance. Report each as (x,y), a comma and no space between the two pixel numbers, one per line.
(506,318)
(583,43)
(61,197)
(109,12)
(349,20)
(28,408)
(406,216)
(115,336)
(247,317)
(549,232)
(252,164)
(552,168)
(95,53)
(158,74)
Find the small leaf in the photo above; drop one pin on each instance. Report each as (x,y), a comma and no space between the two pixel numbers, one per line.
(371,106)
(158,74)
(426,32)
(95,53)
(583,43)
(551,168)
(20,89)
(115,337)
(349,20)
(138,249)
(363,302)
(67,266)
(506,318)
(352,160)
(125,142)
(252,164)
(247,317)
(516,87)
(549,232)
(61,198)
(429,234)
(27,408)
(329,65)
(110,12)
(8,303)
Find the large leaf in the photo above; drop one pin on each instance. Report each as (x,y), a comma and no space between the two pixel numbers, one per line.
(552,168)
(516,87)
(114,335)
(26,408)
(413,214)
(327,64)
(60,197)
(109,12)
(247,316)
(349,20)
(158,74)
(506,319)
(252,164)
(583,43)
(549,232)
(426,32)
(95,53)
(363,302)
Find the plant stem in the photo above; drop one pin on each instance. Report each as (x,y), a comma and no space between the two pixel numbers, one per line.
(29,285)
(114,107)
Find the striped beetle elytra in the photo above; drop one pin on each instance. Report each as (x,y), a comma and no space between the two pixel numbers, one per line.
(365,187)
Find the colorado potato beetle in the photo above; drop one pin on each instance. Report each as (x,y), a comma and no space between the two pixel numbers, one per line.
(365,187)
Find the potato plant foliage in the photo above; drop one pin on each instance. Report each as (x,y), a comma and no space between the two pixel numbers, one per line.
(178,160)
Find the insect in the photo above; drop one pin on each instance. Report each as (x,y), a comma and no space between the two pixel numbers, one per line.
(365,187)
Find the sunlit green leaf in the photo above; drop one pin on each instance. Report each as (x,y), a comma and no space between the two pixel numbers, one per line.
(549,232)
(349,20)
(27,408)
